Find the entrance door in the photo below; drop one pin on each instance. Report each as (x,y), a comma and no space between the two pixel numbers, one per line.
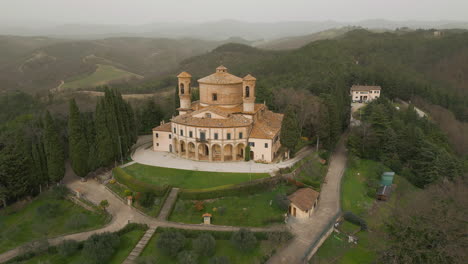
(170,147)
(294,211)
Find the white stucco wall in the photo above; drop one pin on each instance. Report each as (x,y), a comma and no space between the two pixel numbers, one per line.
(161,140)
(371,95)
(261,153)
(302,214)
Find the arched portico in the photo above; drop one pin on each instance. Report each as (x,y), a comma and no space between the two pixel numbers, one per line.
(228,152)
(216,152)
(240,151)
(203,152)
(191,150)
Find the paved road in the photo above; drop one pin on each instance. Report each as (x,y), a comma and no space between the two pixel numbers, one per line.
(145,155)
(307,231)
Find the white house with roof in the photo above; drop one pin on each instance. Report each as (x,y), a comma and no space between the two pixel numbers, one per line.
(365,93)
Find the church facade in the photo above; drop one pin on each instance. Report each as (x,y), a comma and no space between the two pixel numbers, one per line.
(221,125)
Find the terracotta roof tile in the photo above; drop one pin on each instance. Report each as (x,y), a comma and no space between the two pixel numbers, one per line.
(268,127)
(249,77)
(230,121)
(304,198)
(184,75)
(166,127)
(365,88)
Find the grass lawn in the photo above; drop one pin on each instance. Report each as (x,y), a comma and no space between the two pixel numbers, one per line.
(127,243)
(223,248)
(355,199)
(102,75)
(247,210)
(188,179)
(44,216)
(153,211)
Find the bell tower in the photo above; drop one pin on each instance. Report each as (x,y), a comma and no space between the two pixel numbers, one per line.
(248,93)
(185,91)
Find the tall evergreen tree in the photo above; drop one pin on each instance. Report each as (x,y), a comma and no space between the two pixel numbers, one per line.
(53,149)
(104,147)
(290,130)
(77,144)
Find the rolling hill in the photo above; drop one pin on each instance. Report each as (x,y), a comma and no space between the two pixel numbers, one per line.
(37,65)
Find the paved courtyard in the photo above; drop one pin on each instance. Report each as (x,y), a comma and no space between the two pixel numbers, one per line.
(145,155)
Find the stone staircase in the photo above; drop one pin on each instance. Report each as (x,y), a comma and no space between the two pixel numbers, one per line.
(171,199)
(140,246)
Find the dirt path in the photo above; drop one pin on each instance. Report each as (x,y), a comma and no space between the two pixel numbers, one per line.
(308,231)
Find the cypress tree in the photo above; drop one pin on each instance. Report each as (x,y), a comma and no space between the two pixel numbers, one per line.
(104,147)
(78,147)
(176,100)
(53,149)
(290,130)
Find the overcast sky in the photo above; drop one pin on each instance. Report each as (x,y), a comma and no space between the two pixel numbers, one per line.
(148,11)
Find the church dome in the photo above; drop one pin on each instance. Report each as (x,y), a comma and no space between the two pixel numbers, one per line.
(221,76)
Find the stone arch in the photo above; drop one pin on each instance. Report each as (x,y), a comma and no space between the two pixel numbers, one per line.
(183,148)
(216,152)
(182,88)
(191,150)
(203,152)
(240,151)
(228,152)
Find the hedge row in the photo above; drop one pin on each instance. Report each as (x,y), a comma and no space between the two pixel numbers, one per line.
(231,189)
(222,235)
(53,249)
(136,185)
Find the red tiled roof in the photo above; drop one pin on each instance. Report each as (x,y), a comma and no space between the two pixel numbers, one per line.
(365,88)
(166,127)
(268,127)
(304,198)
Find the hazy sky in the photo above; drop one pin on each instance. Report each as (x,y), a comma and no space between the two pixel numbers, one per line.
(147,11)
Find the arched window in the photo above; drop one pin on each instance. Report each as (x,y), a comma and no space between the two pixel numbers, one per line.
(247,91)
(182,91)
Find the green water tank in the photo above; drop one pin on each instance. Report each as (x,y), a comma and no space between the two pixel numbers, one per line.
(387,178)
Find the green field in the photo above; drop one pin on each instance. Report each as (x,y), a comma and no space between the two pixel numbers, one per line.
(127,243)
(102,75)
(44,216)
(355,198)
(188,179)
(247,210)
(223,248)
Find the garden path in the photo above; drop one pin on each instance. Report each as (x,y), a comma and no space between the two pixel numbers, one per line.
(310,230)
(171,199)
(121,213)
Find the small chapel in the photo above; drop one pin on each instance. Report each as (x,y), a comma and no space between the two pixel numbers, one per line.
(220,126)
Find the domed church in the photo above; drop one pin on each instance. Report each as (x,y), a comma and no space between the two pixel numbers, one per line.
(221,125)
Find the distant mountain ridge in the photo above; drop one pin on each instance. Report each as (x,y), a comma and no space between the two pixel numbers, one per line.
(215,30)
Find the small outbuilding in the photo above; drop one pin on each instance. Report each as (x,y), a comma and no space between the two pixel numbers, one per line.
(207,218)
(303,202)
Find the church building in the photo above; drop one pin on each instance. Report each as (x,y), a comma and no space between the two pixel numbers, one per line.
(221,125)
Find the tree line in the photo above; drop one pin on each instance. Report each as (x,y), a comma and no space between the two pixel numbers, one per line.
(411,145)
(34,144)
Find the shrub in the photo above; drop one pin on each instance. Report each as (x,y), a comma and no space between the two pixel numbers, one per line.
(247,153)
(59,192)
(104,204)
(324,154)
(198,205)
(273,219)
(99,248)
(79,221)
(128,193)
(222,235)
(219,260)
(147,199)
(131,227)
(180,206)
(48,210)
(244,240)
(146,260)
(279,237)
(68,247)
(204,245)
(246,188)
(187,257)
(170,242)
(351,217)
(281,201)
